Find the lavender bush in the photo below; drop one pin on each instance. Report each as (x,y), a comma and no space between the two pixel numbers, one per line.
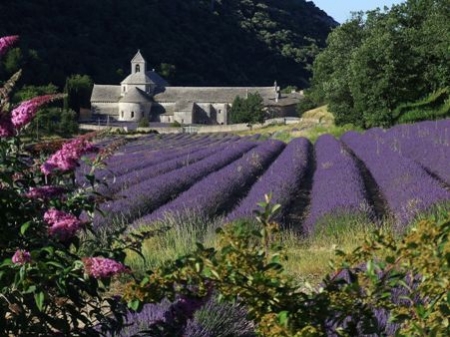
(213,194)
(406,186)
(142,199)
(338,187)
(281,180)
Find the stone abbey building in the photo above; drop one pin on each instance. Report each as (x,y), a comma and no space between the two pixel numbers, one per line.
(146,94)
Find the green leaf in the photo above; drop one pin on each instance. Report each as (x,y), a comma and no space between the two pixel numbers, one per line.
(134,305)
(25,227)
(283,317)
(39,299)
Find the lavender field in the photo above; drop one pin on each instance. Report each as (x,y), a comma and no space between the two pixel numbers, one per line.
(394,174)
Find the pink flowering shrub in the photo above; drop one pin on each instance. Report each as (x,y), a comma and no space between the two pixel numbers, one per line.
(45,249)
(67,157)
(6,42)
(45,192)
(21,257)
(25,112)
(100,267)
(62,224)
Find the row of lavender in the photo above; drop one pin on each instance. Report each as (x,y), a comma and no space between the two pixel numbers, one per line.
(142,198)
(218,192)
(227,176)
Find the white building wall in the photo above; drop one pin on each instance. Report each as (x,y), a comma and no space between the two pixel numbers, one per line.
(133,112)
(183,117)
(221,113)
(110,109)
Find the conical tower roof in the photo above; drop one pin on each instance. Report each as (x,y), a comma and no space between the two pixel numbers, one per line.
(138,57)
(135,95)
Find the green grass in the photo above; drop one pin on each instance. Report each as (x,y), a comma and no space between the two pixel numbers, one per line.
(308,257)
(180,239)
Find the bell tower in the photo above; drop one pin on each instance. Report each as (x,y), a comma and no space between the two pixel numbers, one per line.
(138,64)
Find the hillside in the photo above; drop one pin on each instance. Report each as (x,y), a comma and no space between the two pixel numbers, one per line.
(191,42)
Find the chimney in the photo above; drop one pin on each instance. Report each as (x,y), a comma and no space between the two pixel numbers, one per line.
(277,96)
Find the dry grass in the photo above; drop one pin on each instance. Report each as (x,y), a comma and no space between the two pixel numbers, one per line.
(313,124)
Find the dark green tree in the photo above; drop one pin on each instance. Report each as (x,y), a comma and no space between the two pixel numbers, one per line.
(378,61)
(332,74)
(78,89)
(248,110)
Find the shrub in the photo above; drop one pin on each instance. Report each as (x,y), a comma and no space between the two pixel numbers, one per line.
(175,124)
(305,104)
(54,274)
(144,123)
(398,288)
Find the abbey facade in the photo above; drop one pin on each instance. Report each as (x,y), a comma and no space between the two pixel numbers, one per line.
(146,94)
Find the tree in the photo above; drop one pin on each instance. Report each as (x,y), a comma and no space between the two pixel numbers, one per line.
(331,71)
(78,89)
(248,110)
(375,62)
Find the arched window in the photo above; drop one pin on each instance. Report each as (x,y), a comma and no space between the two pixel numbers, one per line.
(132,114)
(137,68)
(124,88)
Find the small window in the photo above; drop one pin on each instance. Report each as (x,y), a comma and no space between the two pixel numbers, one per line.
(219,111)
(137,68)
(123,89)
(132,114)
(169,119)
(121,114)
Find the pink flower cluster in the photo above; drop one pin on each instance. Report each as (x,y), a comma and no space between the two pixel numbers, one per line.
(25,112)
(6,42)
(45,192)
(62,225)
(6,127)
(67,157)
(22,114)
(100,267)
(21,257)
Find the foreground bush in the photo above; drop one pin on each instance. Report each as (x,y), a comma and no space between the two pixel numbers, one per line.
(54,276)
(397,287)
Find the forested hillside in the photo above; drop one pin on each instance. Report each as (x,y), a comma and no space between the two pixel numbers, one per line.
(191,42)
(386,67)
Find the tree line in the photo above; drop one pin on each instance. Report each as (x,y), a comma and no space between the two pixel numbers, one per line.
(191,42)
(377,66)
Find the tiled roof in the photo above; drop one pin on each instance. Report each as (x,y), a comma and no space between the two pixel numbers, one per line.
(135,95)
(150,77)
(211,94)
(184,106)
(105,93)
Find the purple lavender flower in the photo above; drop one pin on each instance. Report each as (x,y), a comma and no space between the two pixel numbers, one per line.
(282,180)
(406,186)
(338,186)
(143,198)
(214,194)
